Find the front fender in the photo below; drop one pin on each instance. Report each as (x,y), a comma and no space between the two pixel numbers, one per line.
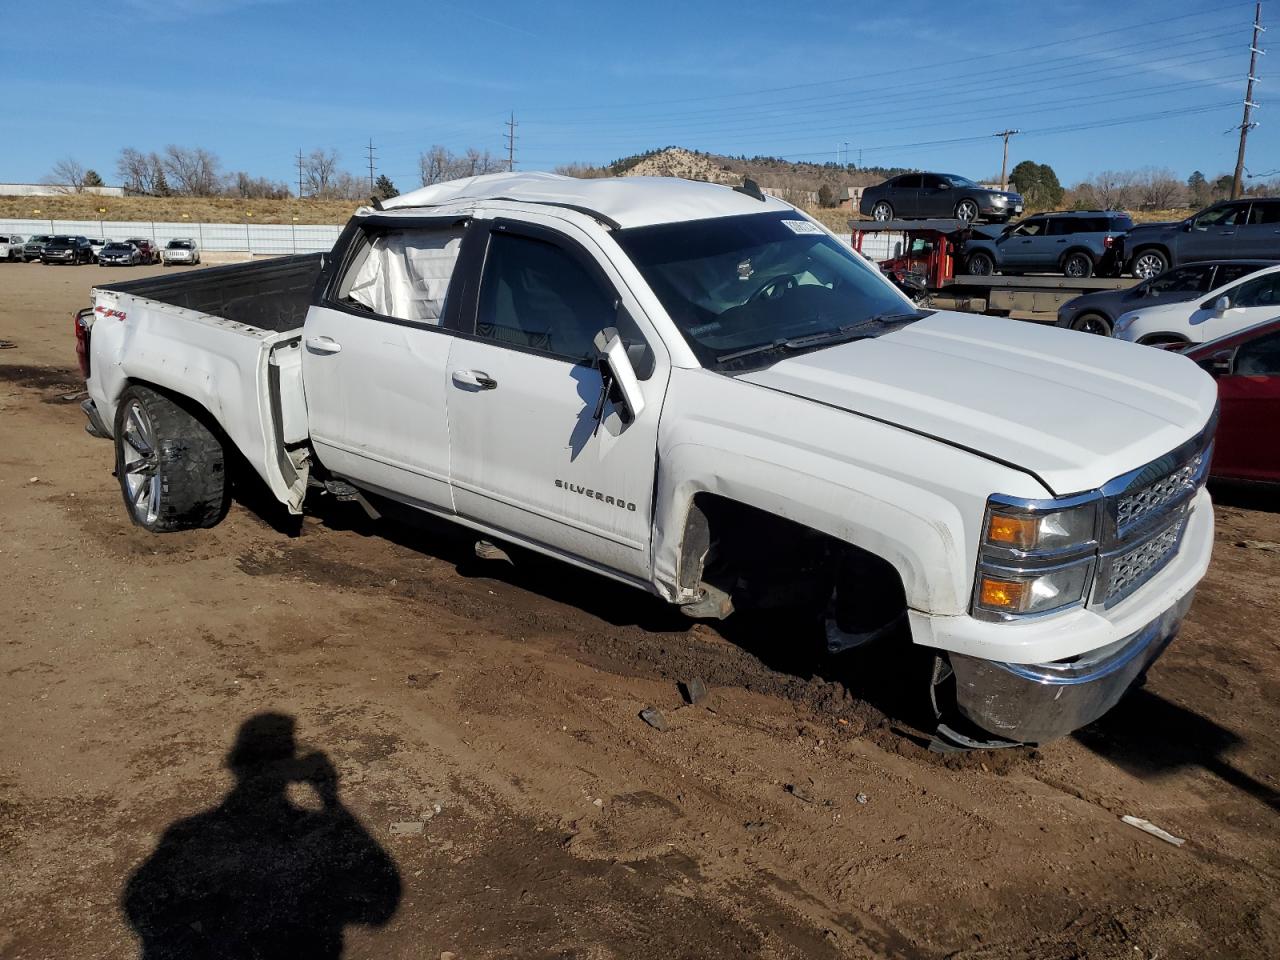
(911,500)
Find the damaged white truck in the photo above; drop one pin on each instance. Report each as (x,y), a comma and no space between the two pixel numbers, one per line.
(699,391)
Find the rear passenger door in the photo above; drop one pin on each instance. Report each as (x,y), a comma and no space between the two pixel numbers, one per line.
(1259,235)
(905,195)
(527,454)
(375,350)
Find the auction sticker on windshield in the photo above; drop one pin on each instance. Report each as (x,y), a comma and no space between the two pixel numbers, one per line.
(802,226)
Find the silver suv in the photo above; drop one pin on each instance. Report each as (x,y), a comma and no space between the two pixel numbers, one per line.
(1078,243)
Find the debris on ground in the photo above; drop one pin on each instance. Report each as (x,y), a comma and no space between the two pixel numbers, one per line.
(694,691)
(7,345)
(1269,546)
(757,826)
(861,798)
(799,792)
(1151,828)
(491,551)
(408,828)
(654,718)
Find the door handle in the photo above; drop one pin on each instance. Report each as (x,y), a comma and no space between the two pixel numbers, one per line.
(323,345)
(1063,240)
(474,379)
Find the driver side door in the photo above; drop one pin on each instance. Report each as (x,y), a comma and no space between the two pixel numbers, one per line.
(528,456)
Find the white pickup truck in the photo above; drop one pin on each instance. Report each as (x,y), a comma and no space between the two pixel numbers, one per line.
(699,391)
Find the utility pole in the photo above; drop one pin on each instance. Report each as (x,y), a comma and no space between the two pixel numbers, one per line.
(1004,164)
(371,166)
(1245,124)
(299,173)
(511,141)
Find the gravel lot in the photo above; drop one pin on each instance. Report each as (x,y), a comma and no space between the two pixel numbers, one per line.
(352,739)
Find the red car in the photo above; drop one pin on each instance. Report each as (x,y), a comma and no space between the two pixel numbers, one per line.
(1247,367)
(150,252)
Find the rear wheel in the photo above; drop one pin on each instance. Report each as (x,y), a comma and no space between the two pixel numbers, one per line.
(883,210)
(1078,265)
(980,264)
(171,467)
(967,210)
(1092,323)
(1148,263)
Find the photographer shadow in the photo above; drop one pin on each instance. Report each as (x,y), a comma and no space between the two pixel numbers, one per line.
(258,875)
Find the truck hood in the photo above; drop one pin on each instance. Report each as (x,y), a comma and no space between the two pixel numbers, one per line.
(1071,409)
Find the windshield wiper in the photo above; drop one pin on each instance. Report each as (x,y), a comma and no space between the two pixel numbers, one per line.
(839,335)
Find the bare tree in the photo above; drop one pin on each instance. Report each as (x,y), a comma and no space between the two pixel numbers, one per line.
(137,170)
(191,170)
(1109,190)
(241,184)
(68,175)
(320,170)
(434,164)
(1160,189)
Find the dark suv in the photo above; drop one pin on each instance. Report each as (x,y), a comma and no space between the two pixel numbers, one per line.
(1097,312)
(67,250)
(1231,230)
(923,196)
(1077,244)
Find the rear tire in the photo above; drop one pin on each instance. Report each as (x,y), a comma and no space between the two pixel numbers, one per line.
(1148,263)
(171,467)
(1077,265)
(1094,323)
(980,264)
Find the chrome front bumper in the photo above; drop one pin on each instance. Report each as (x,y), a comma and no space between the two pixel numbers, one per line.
(1038,702)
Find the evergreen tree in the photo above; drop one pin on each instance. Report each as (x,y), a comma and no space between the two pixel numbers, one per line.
(384,189)
(91,179)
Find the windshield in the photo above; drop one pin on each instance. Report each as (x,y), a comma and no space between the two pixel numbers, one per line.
(734,284)
(60,240)
(179,244)
(958,181)
(117,248)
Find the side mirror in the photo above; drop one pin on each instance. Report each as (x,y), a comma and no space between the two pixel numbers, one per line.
(1218,364)
(1221,305)
(1188,224)
(618,376)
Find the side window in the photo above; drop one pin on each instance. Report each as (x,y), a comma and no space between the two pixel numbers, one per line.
(1259,358)
(403,274)
(1224,216)
(1194,279)
(1231,272)
(535,294)
(910,181)
(1264,212)
(1261,292)
(936,183)
(1030,228)
(1060,226)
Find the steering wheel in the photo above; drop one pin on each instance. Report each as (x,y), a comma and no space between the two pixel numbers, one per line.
(789,283)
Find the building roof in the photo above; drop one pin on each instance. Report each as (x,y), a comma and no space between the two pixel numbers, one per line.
(625,201)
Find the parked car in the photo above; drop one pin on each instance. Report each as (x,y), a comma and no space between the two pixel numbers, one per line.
(67,249)
(1231,230)
(96,244)
(10,246)
(34,246)
(1076,244)
(707,395)
(180,251)
(937,195)
(149,251)
(1247,367)
(1225,309)
(119,253)
(1097,312)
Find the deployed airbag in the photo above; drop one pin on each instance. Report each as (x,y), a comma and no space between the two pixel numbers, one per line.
(406,274)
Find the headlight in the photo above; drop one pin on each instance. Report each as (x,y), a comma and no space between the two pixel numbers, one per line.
(999,200)
(1036,556)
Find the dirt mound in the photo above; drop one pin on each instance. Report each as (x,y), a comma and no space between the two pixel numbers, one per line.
(678,162)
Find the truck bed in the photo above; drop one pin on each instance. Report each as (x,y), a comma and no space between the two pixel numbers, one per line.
(268,294)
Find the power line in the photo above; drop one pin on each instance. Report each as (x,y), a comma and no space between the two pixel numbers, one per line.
(967,60)
(1245,124)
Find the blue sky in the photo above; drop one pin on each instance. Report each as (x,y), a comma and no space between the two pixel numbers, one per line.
(912,84)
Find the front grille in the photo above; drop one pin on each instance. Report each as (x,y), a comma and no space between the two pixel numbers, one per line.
(1133,508)
(1124,573)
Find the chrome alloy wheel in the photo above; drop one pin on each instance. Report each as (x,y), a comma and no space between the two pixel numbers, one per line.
(141,464)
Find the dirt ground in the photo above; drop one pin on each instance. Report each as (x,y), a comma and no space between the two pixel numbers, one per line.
(359,740)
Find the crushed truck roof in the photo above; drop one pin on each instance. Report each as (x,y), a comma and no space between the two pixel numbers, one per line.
(620,201)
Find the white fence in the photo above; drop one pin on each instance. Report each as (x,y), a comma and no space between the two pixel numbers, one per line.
(261,238)
(269,238)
